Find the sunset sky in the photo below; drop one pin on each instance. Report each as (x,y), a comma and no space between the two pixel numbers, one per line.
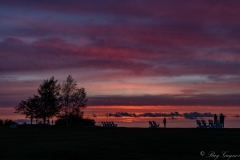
(123,52)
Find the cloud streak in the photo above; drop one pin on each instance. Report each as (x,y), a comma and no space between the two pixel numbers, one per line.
(167,100)
(186,115)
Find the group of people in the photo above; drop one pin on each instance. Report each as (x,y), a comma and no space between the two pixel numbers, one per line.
(221,119)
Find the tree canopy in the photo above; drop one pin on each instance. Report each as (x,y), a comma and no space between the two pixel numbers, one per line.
(29,107)
(65,101)
(73,100)
(49,93)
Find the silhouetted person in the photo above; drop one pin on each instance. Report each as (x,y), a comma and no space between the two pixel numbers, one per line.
(215,119)
(164,122)
(52,122)
(222,119)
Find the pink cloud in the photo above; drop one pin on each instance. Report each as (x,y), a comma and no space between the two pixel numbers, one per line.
(55,53)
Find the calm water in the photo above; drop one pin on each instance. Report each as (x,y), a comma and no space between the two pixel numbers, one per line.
(99,113)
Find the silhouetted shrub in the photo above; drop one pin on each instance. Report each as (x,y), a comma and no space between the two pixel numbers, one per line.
(76,121)
(87,122)
(60,122)
(7,122)
(39,123)
(1,122)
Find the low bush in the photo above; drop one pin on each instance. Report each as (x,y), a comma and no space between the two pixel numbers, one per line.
(76,121)
(7,122)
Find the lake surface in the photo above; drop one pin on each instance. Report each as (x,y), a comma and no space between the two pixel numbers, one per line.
(138,116)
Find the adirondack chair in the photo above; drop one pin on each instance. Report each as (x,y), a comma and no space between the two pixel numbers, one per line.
(113,124)
(109,125)
(155,124)
(199,124)
(219,125)
(104,124)
(151,124)
(211,124)
(205,124)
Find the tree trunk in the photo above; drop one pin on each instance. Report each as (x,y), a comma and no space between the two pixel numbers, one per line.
(66,122)
(44,120)
(70,122)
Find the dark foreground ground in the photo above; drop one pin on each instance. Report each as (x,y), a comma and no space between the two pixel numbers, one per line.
(119,143)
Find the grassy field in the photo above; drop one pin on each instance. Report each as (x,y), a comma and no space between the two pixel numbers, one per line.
(80,143)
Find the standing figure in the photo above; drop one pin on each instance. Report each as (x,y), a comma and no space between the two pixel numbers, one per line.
(164,122)
(222,119)
(215,119)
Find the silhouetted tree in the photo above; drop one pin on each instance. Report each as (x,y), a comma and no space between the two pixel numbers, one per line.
(49,93)
(73,100)
(8,122)
(30,107)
